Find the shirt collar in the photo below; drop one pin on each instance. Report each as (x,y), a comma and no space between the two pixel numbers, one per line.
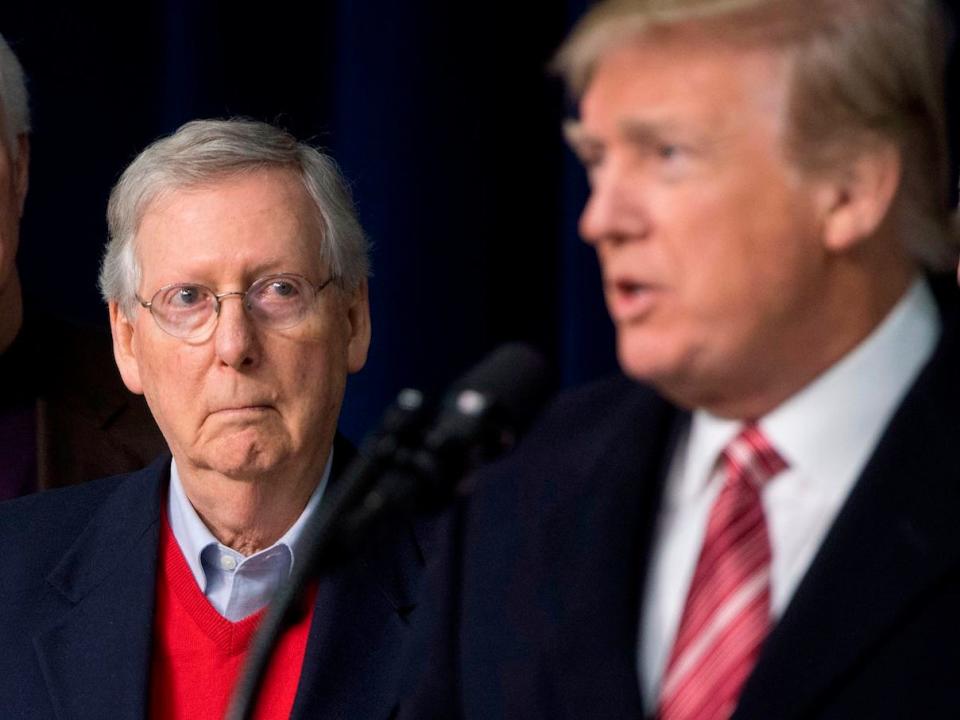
(829,428)
(193,536)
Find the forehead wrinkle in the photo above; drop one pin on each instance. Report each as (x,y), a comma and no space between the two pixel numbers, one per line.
(700,56)
(170,218)
(204,272)
(645,132)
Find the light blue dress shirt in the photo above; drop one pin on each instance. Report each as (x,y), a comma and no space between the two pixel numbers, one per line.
(236,585)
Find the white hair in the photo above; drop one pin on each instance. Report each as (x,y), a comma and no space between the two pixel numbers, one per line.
(862,70)
(204,151)
(13,98)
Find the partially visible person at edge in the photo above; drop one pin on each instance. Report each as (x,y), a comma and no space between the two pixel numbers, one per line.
(65,415)
(236,281)
(760,520)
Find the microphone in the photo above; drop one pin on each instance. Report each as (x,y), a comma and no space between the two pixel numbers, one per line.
(416,460)
(480,417)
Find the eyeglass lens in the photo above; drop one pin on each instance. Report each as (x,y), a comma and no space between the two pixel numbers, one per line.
(185,310)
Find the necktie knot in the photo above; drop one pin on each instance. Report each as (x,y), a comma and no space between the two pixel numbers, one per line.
(751,458)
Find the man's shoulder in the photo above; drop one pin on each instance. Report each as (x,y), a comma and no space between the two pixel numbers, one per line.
(601,425)
(52,519)
(593,415)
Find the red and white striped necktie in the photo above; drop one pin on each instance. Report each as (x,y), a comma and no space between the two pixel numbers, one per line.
(727,614)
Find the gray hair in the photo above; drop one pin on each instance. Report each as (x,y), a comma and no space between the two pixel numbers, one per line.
(204,151)
(13,98)
(861,71)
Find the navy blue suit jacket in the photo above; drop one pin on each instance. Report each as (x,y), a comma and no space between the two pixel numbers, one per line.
(536,595)
(77,582)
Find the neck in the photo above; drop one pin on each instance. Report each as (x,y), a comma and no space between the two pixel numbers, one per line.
(11,318)
(248,515)
(842,317)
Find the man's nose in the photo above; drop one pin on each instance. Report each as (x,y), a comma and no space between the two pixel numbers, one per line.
(235,338)
(616,208)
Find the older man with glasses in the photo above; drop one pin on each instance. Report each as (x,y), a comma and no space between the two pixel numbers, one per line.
(236,281)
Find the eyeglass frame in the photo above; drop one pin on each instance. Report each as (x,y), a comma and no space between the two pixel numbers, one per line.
(217,297)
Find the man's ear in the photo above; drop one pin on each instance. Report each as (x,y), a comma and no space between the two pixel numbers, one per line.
(857,201)
(125,348)
(21,169)
(358,315)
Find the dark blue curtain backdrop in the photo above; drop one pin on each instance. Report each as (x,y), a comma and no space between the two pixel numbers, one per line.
(442,115)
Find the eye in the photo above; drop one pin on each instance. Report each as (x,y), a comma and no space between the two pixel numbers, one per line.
(185,296)
(275,292)
(667,151)
(282,288)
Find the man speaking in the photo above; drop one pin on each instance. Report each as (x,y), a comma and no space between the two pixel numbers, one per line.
(760,520)
(236,281)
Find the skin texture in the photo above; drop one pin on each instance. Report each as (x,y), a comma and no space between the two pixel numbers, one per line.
(732,279)
(249,413)
(14,172)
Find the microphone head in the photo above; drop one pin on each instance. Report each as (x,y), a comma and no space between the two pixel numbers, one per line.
(512,381)
(490,406)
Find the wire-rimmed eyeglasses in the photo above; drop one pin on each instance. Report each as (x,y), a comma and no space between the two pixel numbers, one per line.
(189,311)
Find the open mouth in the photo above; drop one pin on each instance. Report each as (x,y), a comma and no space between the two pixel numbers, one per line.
(629,299)
(629,287)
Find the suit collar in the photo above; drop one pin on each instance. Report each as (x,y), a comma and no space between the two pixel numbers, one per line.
(95,651)
(351,667)
(127,515)
(894,538)
(597,542)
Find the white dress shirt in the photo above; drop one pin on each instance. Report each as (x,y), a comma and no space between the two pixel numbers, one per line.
(826,433)
(236,585)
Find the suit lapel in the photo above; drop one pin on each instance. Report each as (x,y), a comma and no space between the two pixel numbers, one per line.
(351,667)
(894,538)
(597,544)
(95,650)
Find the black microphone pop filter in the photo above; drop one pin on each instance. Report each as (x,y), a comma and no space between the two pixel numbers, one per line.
(491,405)
(514,376)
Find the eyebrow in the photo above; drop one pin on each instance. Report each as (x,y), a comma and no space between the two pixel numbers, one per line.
(579,140)
(644,133)
(637,132)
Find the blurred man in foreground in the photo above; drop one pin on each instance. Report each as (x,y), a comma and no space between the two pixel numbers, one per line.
(64,413)
(236,281)
(760,520)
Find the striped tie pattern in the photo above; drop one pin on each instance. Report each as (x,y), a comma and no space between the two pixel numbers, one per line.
(727,614)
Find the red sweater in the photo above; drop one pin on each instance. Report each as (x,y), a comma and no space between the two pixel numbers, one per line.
(197,653)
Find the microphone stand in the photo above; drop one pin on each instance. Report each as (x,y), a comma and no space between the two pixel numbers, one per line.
(412,463)
(325,541)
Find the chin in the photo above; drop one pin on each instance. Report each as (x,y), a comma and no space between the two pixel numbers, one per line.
(641,359)
(648,361)
(244,458)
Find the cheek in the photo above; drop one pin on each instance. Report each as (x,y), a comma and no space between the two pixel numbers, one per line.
(319,378)
(309,367)
(314,393)
(728,258)
(171,379)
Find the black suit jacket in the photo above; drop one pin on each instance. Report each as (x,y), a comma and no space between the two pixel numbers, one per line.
(77,583)
(88,425)
(537,592)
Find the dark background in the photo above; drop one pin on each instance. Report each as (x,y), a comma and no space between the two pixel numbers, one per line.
(442,115)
